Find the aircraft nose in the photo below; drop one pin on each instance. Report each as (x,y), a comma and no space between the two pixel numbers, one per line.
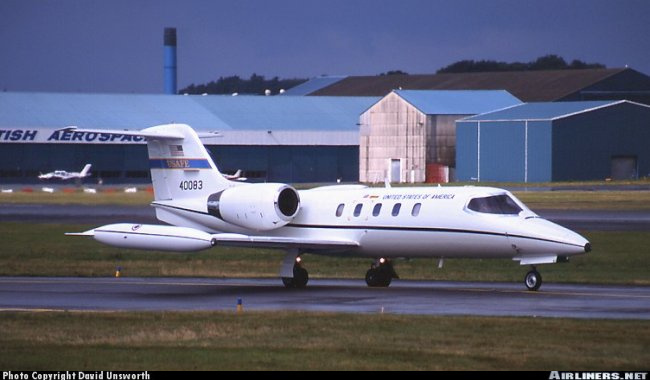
(566,241)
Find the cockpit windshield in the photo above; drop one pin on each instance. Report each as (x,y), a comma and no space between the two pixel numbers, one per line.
(495,204)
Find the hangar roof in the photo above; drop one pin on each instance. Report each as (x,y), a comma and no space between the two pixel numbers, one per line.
(458,102)
(314,84)
(546,110)
(215,112)
(529,86)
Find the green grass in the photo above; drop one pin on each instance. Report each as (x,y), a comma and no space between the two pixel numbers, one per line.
(78,197)
(314,341)
(584,200)
(35,249)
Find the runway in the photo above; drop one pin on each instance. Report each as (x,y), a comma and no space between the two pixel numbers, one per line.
(348,296)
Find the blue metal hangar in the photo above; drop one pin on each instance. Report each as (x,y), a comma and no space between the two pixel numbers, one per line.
(270,138)
(563,141)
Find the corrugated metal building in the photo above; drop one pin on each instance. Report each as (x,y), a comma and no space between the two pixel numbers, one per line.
(279,138)
(541,142)
(408,130)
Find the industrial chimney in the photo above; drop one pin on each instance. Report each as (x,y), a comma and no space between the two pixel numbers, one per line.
(170,61)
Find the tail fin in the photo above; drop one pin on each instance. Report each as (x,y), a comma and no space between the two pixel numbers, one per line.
(181,167)
(85,170)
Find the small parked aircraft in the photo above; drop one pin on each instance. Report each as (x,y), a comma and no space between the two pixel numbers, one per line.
(205,210)
(64,175)
(235,177)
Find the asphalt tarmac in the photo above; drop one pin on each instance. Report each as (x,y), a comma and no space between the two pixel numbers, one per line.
(585,220)
(348,296)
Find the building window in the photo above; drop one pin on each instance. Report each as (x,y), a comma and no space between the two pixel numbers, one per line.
(416,209)
(339,210)
(396,209)
(357,209)
(376,209)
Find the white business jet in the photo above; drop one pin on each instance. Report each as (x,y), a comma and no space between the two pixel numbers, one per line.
(205,210)
(64,175)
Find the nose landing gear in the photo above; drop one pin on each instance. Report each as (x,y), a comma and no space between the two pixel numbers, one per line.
(533,280)
(380,274)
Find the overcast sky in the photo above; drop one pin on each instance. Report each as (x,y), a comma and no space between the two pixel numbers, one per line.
(116,45)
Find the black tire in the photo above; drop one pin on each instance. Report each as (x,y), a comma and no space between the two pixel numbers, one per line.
(371,278)
(299,280)
(300,277)
(288,282)
(385,281)
(378,277)
(533,280)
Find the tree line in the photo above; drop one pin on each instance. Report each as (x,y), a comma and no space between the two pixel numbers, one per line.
(256,85)
(547,62)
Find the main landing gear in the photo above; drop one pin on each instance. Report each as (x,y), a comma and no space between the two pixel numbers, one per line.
(533,280)
(380,274)
(300,276)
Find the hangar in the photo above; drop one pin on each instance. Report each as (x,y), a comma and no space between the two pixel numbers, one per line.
(271,138)
(541,142)
(409,135)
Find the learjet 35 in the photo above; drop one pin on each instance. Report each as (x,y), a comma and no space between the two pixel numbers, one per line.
(203,210)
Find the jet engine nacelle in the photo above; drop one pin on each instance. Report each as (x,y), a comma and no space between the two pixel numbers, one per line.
(260,207)
(153,237)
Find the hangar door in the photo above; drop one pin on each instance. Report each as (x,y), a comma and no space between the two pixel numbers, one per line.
(624,167)
(395,170)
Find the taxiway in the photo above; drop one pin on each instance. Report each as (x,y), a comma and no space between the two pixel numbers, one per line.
(322,295)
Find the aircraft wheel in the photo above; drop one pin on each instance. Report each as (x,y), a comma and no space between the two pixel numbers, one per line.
(378,277)
(533,280)
(299,280)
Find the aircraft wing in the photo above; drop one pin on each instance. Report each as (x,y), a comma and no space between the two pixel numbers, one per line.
(239,240)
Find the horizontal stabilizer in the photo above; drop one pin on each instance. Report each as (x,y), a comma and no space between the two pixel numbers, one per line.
(148,133)
(239,240)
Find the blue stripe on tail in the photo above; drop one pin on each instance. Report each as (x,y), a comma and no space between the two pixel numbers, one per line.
(179,163)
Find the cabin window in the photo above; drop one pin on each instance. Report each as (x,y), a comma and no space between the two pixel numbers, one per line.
(376,209)
(339,210)
(416,209)
(357,209)
(396,208)
(496,204)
